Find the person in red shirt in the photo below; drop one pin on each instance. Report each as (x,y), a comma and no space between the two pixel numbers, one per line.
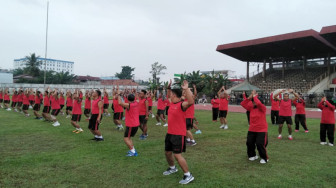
(175,141)
(46,105)
(87,105)
(69,103)
(285,112)
(160,111)
(274,110)
(106,103)
(143,113)
(150,103)
(26,103)
(37,105)
(55,106)
(97,109)
(62,102)
(31,98)
(167,103)
(131,121)
(223,107)
(118,110)
(327,125)
(215,107)
(190,114)
(76,112)
(1,97)
(7,100)
(300,114)
(257,133)
(19,100)
(14,99)
(247,111)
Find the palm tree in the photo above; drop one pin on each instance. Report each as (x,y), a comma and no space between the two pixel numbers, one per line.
(64,77)
(32,65)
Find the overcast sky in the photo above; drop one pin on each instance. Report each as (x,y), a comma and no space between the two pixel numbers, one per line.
(100,36)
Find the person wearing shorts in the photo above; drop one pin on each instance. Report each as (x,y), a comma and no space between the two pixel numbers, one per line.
(76,113)
(190,114)
(150,103)
(223,107)
(106,103)
(131,122)
(96,115)
(19,100)
(55,106)
(175,141)
(62,102)
(285,112)
(117,110)
(7,100)
(1,98)
(160,111)
(69,103)
(26,103)
(143,114)
(14,99)
(37,105)
(87,105)
(46,105)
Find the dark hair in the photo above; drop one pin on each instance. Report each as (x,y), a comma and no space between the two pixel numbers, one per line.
(177,92)
(99,92)
(46,92)
(144,91)
(131,97)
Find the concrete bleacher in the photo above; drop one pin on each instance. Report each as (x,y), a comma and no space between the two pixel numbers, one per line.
(295,78)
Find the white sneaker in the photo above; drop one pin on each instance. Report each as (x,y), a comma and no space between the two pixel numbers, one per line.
(165,125)
(262,161)
(9,109)
(280,136)
(253,158)
(153,116)
(323,143)
(330,144)
(67,116)
(222,127)
(226,127)
(158,123)
(56,124)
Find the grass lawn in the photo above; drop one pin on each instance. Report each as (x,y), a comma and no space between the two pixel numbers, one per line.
(36,154)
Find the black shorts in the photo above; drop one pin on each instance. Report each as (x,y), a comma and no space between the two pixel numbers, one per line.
(159,112)
(87,111)
(31,102)
(36,107)
(223,113)
(142,119)
(130,131)
(118,115)
(7,101)
(69,108)
(287,119)
(13,104)
(93,124)
(189,122)
(76,117)
(25,107)
(62,106)
(106,106)
(175,143)
(46,109)
(55,112)
(19,104)
(1,100)
(149,107)
(167,108)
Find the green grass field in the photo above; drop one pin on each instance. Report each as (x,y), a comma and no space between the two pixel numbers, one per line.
(36,154)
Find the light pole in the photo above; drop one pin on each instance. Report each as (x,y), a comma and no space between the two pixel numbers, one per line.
(46,47)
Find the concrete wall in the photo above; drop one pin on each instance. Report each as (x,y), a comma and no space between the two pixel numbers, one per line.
(40,87)
(323,85)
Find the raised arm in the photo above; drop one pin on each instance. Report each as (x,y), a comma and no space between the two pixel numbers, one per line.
(189,96)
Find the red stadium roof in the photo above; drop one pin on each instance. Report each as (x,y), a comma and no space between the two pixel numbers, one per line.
(290,46)
(329,33)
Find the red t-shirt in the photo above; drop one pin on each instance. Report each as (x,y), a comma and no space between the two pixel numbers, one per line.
(132,115)
(6,98)
(328,116)
(300,106)
(106,100)
(46,101)
(55,103)
(19,97)
(77,107)
(176,119)
(275,104)
(1,96)
(117,108)
(285,108)
(14,98)
(61,100)
(223,104)
(160,104)
(190,111)
(69,102)
(94,107)
(142,107)
(150,101)
(167,103)
(87,103)
(31,97)
(37,100)
(258,121)
(25,100)
(215,103)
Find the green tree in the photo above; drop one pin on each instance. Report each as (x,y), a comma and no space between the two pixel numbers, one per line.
(17,72)
(126,72)
(156,70)
(32,65)
(64,77)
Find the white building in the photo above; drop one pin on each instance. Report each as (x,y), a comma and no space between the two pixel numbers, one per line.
(52,64)
(228,73)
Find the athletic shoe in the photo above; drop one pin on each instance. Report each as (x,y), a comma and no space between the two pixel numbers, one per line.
(170,171)
(68,116)
(153,116)
(79,131)
(280,137)
(198,132)
(40,118)
(222,127)
(330,144)
(37,118)
(192,143)
(290,137)
(8,109)
(158,124)
(142,137)
(296,130)
(131,154)
(262,161)
(226,127)
(94,138)
(165,125)
(121,128)
(306,131)
(99,139)
(186,179)
(323,143)
(74,130)
(253,158)
(56,124)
